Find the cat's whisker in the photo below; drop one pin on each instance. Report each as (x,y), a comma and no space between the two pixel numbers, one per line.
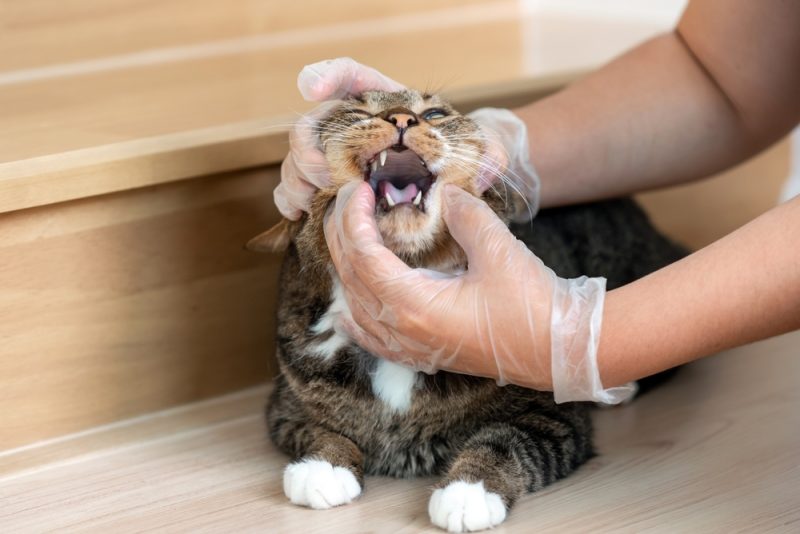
(507,182)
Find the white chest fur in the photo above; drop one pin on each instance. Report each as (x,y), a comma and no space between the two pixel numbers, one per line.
(391,382)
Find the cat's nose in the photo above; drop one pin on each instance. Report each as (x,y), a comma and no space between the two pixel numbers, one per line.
(402,120)
(401,117)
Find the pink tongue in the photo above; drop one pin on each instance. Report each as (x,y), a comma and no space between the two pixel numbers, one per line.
(406,194)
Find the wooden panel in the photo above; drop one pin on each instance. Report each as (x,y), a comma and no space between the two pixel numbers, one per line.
(700,213)
(105,96)
(34,31)
(92,131)
(128,303)
(126,98)
(127,165)
(714,450)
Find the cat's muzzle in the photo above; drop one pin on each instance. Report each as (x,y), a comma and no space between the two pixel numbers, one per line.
(399,176)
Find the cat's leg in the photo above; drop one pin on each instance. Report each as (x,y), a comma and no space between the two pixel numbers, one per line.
(498,465)
(330,474)
(329,470)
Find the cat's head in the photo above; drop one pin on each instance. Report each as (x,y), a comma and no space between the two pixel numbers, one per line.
(406,145)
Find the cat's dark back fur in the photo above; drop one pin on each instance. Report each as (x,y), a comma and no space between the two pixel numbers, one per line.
(314,397)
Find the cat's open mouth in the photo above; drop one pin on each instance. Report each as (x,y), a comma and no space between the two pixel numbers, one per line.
(399,177)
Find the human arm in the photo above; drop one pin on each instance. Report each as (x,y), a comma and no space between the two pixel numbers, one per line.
(508,317)
(680,107)
(742,288)
(616,147)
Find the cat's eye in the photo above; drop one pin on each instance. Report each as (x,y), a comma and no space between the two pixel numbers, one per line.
(360,113)
(433,114)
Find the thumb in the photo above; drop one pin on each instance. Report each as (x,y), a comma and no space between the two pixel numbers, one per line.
(334,79)
(479,231)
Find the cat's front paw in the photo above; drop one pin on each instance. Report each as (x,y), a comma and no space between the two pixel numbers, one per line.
(466,507)
(318,484)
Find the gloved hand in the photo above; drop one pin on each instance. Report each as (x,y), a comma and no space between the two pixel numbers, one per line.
(507,146)
(508,317)
(305,168)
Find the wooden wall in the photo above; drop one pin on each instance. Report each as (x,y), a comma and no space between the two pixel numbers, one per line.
(120,304)
(132,302)
(127,303)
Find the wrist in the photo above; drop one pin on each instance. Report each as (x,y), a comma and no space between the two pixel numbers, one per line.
(576,321)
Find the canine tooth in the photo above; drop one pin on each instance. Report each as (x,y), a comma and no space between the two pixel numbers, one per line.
(383,157)
(389,200)
(418,198)
(422,162)
(374,165)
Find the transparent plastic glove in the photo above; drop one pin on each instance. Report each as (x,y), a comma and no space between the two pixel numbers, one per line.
(508,317)
(305,168)
(507,146)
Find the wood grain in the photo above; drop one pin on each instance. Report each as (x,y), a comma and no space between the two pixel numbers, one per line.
(152,92)
(196,152)
(132,302)
(128,303)
(716,449)
(34,32)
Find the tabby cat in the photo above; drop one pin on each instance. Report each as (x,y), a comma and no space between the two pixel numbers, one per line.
(341,412)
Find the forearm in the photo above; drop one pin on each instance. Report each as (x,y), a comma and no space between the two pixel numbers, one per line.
(743,288)
(648,119)
(677,108)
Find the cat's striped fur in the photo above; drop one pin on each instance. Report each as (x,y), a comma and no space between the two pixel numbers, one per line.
(510,439)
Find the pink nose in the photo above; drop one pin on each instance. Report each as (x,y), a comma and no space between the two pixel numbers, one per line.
(402,120)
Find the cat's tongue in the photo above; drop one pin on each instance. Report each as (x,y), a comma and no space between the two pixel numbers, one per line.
(398,195)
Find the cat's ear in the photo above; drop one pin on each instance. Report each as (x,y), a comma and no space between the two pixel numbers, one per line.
(276,239)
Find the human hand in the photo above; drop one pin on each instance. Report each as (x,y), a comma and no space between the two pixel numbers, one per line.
(508,317)
(305,168)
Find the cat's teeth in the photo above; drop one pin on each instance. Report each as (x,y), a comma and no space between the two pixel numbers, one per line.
(389,200)
(418,198)
(383,157)
(422,162)
(374,165)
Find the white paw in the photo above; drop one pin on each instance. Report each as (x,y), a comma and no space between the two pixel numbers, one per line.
(465,507)
(318,484)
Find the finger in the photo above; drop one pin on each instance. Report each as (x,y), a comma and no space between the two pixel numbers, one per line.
(495,161)
(369,327)
(475,227)
(355,291)
(293,193)
(373,344)
(378,345)
(284,206)
(340,77)
(361,241)
(309,159)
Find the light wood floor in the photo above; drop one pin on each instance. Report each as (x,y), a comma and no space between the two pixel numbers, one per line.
(715,450)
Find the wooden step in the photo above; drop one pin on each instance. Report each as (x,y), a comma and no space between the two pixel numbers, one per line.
(152,92)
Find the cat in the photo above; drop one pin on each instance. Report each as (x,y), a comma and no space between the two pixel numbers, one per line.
(341,412)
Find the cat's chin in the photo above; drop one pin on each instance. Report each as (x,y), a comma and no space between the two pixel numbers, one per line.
(409,231)
(421,239)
